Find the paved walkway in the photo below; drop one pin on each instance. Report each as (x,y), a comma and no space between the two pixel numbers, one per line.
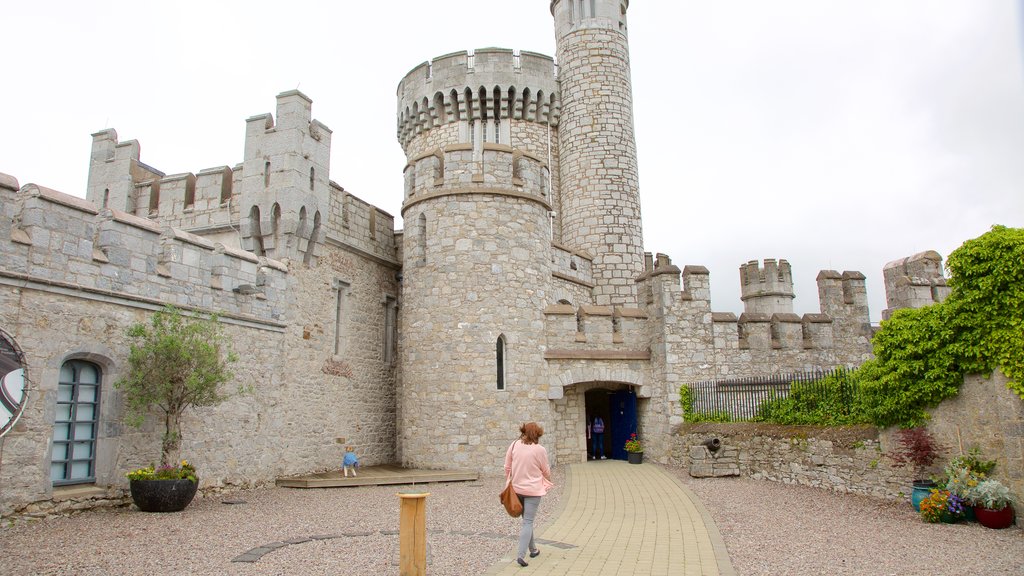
(621,519)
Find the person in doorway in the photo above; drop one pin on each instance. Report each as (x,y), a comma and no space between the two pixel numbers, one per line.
(589,455)
(526,461)
(597,431)
(349,462)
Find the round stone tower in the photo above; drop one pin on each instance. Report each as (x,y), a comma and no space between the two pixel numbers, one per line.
(478,130)
(600,198)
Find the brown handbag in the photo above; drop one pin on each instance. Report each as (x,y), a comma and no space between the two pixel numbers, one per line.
(509,498)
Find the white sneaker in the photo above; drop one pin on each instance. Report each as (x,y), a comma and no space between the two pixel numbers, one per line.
(603,458)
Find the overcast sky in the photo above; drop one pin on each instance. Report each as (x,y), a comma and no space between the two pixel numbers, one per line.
(837,135)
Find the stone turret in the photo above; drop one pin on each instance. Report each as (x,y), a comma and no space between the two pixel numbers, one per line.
(914,282)
(767,290)
(477,253)
(285,183)
(600,192)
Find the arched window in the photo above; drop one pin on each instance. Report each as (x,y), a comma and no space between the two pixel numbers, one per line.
(421,240)
(314,236)
(73,460)
(225,186)
(499,356)
(190,191)
(255,231)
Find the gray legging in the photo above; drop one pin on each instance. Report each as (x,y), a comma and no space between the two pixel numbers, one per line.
(530,504)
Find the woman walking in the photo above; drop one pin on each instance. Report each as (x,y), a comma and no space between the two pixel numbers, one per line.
(527,463)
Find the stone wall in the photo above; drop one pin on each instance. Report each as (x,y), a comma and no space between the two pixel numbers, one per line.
(985,414)
(841,460)
(73,278)
(990,416)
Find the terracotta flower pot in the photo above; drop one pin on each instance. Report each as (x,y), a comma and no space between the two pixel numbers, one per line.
(994,518)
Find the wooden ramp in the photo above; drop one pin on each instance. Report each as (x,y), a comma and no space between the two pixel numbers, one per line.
(375,476)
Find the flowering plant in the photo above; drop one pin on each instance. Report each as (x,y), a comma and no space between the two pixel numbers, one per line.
(165,472)
(633,444)
(991,494)
(942,505)
(962,481)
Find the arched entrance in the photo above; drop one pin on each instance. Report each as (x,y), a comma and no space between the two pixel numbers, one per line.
(617,410)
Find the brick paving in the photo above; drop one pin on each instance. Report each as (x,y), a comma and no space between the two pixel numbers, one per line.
(622,519)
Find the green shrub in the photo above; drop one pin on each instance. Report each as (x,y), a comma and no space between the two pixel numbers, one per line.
(922,355)
(686,401)
(830,401)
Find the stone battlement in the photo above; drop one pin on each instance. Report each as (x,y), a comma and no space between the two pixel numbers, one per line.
(487,84)
(279,202)
(769,289)
(839,334)
(54,241)
(914,282)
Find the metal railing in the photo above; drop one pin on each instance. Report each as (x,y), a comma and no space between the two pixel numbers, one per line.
(742,398)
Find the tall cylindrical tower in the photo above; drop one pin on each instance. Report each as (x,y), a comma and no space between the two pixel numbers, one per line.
(478,131)
(600,198)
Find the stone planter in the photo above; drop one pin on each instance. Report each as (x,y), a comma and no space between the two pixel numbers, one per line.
(635,457)
(163,495)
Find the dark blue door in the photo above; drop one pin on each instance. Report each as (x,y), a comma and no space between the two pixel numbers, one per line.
(622,408)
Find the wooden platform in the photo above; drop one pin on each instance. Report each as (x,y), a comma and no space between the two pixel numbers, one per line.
(375,476)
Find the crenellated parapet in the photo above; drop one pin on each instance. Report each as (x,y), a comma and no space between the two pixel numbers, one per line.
(914,282)
(61,243)
(600,332)
(484,85)
(699,342)
(767,290)
(115,171)
(458,169)
(279,203)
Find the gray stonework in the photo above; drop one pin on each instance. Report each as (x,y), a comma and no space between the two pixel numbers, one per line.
(985,414)
(914,282)
(522,230)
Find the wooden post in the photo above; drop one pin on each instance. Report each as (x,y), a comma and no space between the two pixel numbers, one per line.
(412,534)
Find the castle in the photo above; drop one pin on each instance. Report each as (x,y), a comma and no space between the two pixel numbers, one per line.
(518,290)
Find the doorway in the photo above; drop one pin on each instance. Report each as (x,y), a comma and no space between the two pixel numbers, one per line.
(617,409)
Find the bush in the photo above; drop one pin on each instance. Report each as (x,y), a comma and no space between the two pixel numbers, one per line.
(689,415)
(829,401)
(923,354)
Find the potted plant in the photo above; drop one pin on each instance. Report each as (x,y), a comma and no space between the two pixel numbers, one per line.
(993,504)
(919,449)
(942,506)
(962,475)
(174,362)
(634,449)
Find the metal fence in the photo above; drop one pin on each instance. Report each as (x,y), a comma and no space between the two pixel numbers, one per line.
(742,398)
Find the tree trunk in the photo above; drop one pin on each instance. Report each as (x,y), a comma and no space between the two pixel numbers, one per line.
(171,448)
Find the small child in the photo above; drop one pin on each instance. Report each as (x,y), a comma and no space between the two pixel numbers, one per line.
(350,462)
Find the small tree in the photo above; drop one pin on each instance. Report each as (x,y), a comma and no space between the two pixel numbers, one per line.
(175,362)
(917,448)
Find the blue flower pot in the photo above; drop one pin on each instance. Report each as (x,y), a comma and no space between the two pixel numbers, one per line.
(921,490)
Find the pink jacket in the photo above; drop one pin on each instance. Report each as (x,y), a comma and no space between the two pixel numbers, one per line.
(528,463)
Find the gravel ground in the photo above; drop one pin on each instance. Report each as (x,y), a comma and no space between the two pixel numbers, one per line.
(770,529)
(467,531)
